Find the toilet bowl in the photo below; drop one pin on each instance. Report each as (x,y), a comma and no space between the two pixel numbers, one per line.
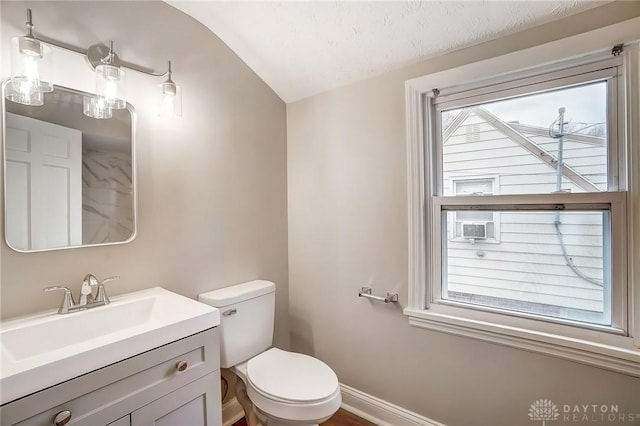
(280,387)
(289,388)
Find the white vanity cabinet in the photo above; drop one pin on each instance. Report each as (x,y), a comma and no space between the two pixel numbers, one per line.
(177,384)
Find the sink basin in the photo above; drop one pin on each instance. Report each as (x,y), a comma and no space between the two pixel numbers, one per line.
(50,333)
(44,349)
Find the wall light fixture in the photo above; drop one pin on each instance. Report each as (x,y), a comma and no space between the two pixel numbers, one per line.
(110,83)
(96,107)
(31,68)
(170,103)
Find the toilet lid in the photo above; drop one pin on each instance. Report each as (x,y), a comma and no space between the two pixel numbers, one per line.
(291,376)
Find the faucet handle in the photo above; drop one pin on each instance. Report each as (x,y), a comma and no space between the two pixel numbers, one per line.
(56,287)
(102,294)
(67,301)
(114,278)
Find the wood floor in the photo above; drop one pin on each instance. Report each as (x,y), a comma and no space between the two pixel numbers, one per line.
(341,418)
(345,418)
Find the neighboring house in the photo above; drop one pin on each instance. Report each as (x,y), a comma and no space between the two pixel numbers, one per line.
(509,259)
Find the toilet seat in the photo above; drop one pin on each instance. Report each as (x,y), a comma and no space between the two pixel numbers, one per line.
(292,386)
(291,377)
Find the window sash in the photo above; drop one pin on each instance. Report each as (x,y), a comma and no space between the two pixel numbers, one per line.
(554,81)
(614,202)
(562,306)
(501,87)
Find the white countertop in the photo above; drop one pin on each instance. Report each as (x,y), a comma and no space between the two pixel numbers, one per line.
(44,349)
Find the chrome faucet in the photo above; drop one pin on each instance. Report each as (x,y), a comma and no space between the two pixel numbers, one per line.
(87,300)
(89,283)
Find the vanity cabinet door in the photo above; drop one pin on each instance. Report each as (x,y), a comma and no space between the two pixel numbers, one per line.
(100,397)
(197,404)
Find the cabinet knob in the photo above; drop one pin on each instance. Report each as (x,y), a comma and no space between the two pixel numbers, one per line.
(182,365)
(62,418)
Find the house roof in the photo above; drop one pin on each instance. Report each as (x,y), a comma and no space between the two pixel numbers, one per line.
(514,131)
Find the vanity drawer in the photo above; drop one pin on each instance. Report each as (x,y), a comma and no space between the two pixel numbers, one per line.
(105,395)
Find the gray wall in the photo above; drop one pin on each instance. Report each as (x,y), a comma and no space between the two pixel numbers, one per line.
(348,227)
(211,186)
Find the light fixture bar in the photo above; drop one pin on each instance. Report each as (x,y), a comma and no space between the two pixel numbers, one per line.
(102,59)
(97,50)
(99,54)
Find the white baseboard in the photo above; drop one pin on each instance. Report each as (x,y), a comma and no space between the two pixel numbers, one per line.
(231,412)
(380,412)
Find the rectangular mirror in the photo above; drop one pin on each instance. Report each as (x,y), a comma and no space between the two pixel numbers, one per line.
(69,179)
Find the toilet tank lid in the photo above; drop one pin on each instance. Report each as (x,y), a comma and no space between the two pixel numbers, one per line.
(237,293)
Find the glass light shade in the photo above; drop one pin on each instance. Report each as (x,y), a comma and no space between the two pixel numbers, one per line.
(31,63)
(96,107)
(110,85)
(24,94)
(170,100)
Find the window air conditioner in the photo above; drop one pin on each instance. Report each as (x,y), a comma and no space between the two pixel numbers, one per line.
(474,230)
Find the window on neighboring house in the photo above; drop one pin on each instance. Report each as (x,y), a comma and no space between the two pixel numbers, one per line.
(473,226)
(526,210)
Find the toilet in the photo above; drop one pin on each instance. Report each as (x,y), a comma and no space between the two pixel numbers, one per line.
(276,387)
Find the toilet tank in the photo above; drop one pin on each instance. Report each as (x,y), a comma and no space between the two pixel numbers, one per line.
(246,321)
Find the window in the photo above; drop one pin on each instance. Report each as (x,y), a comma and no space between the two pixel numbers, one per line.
(522,237)
(473,226)
(548,136)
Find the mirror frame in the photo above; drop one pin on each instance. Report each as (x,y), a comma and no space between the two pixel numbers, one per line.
(134,191)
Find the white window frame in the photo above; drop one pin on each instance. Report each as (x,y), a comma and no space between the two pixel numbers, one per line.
(589,345)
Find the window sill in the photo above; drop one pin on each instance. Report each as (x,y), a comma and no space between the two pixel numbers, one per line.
(623,358)
(478,241)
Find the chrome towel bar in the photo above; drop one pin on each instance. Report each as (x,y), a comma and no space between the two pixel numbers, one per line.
(366,292)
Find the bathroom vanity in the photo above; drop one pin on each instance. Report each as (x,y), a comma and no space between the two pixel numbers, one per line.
(172,383)
(178,383)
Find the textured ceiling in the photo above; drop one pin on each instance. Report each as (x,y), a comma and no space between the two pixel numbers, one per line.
(303,48)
